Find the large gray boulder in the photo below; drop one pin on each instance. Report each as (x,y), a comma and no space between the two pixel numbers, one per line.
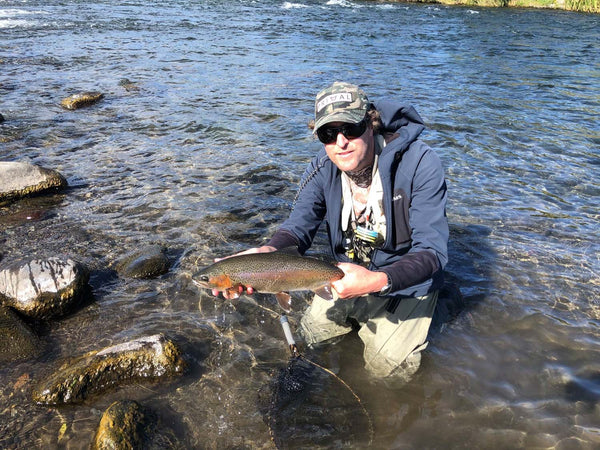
(43,288)
(19,179)
(147,358)
(17,341)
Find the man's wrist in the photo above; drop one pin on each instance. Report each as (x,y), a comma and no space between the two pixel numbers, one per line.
(385,290)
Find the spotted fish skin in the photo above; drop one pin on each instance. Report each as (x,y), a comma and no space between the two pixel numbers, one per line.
(274,273)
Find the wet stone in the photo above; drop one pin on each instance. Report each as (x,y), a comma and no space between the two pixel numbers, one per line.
(17,340)
(125,424)
(81,99)
(43,288)
(128,425)
(20,179)
(148,262)
(147,358)
(129,85)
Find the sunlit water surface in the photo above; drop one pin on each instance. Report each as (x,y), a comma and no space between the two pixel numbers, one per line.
(199,144)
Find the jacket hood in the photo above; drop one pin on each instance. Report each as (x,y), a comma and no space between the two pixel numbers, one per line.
(401,119)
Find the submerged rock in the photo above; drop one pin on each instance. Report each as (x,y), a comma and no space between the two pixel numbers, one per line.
(148,262)
(148,358)
(125,424)
(129,85)
(19,179)
(43,288)
(128,425)
(81,99)
(17,341)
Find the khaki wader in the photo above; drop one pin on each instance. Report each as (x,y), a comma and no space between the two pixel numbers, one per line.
(393,340)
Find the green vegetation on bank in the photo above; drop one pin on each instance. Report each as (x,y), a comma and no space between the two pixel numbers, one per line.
(583,5)
(592,6)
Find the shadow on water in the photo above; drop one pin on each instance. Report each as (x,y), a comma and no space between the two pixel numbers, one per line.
(467,274)
(401,407)
(584,387)
(29,210)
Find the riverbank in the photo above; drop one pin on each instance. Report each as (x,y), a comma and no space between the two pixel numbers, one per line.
(591,6)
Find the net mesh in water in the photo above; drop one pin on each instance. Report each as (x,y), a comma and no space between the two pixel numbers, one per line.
(306,405)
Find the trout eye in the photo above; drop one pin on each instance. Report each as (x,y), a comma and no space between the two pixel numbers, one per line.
(204,278)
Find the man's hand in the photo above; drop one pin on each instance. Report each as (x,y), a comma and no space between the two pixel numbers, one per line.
(236,292)
(358,281)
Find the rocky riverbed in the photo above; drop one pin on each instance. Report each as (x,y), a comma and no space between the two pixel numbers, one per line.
(35,289)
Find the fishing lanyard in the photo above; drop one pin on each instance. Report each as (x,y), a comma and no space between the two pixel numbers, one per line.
(361,239)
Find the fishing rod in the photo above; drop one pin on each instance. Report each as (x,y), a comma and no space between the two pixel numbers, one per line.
(296,354)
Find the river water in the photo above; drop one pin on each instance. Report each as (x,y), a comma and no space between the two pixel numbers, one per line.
(199,144)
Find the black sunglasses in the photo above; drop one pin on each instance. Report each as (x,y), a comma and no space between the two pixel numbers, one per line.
(328,135)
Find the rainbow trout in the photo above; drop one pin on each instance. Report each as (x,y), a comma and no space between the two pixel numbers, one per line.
(272,273)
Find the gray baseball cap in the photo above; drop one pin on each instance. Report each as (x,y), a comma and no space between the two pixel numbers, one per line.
(340,102)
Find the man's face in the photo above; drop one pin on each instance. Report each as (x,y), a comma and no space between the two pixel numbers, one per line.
(351,154)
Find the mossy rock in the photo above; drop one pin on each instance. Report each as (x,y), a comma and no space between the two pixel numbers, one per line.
(128,425)
(124,425)
(81,99)
(144,359)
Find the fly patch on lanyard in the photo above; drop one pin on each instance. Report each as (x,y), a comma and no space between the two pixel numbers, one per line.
(362,235)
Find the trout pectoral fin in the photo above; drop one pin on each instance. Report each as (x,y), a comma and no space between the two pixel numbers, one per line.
(285,301)
(325,292)
(233,292)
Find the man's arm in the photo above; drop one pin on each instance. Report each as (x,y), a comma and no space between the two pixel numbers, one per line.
(429,227)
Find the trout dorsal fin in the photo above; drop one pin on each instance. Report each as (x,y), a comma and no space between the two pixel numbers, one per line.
(285,301)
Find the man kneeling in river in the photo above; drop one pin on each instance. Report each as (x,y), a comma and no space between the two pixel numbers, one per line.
(382,194)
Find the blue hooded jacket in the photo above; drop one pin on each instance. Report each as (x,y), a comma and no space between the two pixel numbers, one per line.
(414,253)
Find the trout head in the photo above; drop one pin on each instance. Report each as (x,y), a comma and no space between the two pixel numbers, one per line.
(209,280)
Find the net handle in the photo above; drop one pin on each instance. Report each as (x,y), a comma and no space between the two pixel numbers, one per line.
(288,335)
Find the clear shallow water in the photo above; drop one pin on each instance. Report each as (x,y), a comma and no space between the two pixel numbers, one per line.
(199,145)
